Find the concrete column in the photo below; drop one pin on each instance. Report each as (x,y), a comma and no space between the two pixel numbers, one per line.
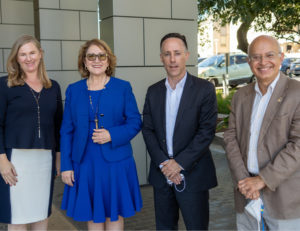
(62,27)
(133,29)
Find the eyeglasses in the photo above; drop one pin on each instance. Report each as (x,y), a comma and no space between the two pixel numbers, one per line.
(268,57)
(92,57)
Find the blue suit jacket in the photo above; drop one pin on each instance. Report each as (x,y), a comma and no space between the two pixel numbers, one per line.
(119,115)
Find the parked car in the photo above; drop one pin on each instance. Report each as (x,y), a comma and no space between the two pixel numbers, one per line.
(201,59)
(214,67)
(285,65)
(295,67)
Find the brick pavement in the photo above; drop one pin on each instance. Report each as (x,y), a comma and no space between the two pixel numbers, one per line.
(222,216)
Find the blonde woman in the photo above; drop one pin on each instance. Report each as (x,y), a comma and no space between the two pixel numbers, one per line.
(30,118)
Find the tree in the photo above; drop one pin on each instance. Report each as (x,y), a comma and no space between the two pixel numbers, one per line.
(280,17)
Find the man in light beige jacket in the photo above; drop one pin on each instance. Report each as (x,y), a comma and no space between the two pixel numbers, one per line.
(263,141)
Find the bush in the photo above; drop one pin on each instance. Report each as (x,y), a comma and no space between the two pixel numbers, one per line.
(223,108)
(224,102)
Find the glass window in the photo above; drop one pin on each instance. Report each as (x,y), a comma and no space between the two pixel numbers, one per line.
(241,59)
(231,60)
(211,61)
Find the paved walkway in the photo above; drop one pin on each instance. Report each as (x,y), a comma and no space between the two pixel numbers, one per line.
(222,216)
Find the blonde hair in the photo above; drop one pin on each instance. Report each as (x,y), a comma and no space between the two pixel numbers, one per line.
(15,72)
(82,54)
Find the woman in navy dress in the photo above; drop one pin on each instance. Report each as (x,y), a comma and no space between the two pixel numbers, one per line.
(100,119)
(30,118)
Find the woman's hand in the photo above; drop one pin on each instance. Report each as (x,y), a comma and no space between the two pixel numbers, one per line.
(68,177)
(7,170)
(101,136)
(57,164)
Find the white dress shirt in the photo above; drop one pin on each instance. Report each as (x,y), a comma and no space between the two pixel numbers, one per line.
(258,111)
(172,104)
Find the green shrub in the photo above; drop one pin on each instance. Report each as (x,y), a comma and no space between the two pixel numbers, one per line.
(224,102)
(223,108)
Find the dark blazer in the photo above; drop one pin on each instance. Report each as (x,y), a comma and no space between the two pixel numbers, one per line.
(119,115)
(194,130)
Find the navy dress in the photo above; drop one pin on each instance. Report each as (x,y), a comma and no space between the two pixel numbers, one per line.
(30,149)
(101,189)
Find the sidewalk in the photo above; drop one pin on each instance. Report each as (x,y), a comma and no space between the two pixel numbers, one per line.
(222,215)
(58,221)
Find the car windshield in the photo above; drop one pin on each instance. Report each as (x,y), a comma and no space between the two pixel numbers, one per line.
(289,60)
(285,61)
(211,61)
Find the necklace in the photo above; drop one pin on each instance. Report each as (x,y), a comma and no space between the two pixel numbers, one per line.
(37,98)
(97,107)
(96,113)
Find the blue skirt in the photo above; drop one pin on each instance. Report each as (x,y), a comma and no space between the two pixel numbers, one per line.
(102,189)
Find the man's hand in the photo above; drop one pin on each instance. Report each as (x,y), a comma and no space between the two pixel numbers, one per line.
(176,179)
(248,195)
(101,136)
(170,168)
(250,187)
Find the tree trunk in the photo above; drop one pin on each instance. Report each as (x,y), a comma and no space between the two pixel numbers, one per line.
(242,36)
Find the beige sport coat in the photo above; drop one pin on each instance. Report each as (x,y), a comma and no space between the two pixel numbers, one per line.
(278,149)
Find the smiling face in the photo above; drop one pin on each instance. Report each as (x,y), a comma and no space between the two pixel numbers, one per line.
(29,57)
(265,58)
(174,57)
(96,67)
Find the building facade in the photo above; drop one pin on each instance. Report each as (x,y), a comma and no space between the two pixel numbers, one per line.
(132,28)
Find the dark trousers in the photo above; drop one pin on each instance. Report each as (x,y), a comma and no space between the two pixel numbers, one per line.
(193,206)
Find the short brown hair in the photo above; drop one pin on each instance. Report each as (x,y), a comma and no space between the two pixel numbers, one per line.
(82,54)
(15,73)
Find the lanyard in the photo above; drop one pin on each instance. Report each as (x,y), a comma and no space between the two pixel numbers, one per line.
(262,219)
(184,184)
(170,183)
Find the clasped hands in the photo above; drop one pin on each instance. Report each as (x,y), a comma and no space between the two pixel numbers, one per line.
(101,136)
(171,169)
(250,187)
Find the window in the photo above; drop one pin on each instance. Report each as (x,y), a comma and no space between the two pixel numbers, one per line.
(240,59)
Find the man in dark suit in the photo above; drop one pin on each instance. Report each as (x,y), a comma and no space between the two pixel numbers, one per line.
(180,114)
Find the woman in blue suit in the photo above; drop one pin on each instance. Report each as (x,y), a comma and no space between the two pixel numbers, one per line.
(100,119)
